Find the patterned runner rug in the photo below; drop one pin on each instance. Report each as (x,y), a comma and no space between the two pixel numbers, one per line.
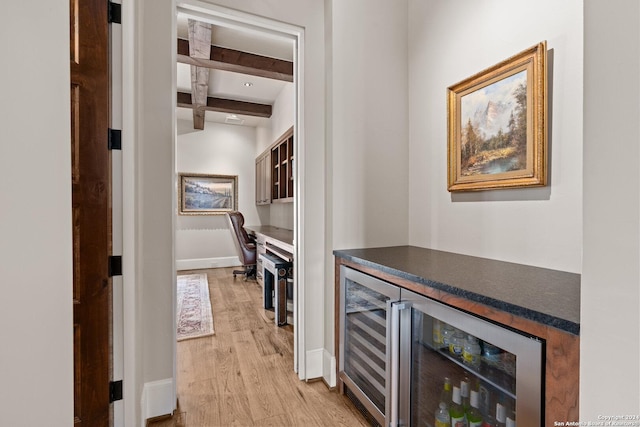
(194,317)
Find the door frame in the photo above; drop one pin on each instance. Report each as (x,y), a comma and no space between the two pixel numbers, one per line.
(116,116)
(132,369)
(132,378)
(220,15)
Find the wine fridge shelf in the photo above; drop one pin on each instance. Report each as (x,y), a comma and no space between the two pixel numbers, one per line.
(362,299)
(365,341)
(492,376)
(366,347)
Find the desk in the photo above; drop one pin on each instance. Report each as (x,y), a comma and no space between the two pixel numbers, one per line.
(277,242)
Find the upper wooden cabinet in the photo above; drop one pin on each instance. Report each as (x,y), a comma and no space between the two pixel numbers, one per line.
(282,168)
(263,178)
(274,172)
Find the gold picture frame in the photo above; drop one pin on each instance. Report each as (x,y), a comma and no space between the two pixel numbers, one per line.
(497,125)
(205,194)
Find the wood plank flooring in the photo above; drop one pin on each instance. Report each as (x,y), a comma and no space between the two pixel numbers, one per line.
(243,375)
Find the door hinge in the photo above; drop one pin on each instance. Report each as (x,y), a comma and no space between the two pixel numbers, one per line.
(115,265)
(115,391)
(115,13)
(115,139)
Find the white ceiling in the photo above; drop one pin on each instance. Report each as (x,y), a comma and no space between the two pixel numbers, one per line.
(229,85)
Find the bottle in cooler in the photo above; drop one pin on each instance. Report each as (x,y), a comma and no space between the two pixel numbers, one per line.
(501,414)
(447,332)
(442,416)
(458,417)
(489,421)
(511,416)
(464,393)
(471,352)
(511,420)
(485,399)
(445,395)
(437,334)
(456,344)
(490,353)
(474,416)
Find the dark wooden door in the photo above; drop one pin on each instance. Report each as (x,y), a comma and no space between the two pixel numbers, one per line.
(90,179)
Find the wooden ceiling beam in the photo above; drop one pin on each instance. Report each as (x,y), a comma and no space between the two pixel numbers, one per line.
(199,42)
(229,106)
(238,62)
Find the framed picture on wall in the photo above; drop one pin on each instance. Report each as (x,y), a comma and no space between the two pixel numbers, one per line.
(497,125)
(201,194)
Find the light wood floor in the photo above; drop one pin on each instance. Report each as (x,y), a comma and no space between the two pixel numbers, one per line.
(243,375)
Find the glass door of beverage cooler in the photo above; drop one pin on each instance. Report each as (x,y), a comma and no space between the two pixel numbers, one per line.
(365,341)
(455,366)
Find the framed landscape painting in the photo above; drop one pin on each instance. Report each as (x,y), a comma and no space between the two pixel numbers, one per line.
(201,194)
(497,125)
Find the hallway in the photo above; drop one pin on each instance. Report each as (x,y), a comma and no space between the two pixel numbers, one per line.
(242,375)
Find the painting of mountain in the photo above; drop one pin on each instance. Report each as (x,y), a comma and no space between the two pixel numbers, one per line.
(492,117)
(494,127)
(497,125)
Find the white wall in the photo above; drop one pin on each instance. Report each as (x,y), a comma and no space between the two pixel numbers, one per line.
(284,113)
(283,118)
(368,144)
(610,318)
(263,139)
(36,359)
(450,41)
(156,205)
(369,115)
(219,149)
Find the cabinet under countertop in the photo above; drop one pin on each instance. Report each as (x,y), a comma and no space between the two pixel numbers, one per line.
(542,302)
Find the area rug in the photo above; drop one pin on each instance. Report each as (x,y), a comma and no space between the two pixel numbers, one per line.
(194,317)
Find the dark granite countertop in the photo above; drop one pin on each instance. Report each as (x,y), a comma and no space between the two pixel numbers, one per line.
(546,296)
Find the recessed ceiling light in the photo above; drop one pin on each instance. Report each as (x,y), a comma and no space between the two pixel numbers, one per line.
(248,84)
(233,119)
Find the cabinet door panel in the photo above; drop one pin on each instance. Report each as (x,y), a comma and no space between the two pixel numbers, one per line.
(502,367)
(365,339)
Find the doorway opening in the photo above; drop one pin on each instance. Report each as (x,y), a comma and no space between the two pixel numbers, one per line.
(229,110)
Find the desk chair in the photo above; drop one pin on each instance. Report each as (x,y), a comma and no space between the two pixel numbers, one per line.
(245,246)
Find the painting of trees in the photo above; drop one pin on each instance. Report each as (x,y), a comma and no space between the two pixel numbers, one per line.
(497,125)
(494,135)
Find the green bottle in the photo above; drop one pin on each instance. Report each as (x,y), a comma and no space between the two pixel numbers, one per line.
(445,396)
(464,393)
(456,412)
(474,417)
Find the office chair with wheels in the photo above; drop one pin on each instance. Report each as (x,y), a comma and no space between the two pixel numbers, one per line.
(245,245)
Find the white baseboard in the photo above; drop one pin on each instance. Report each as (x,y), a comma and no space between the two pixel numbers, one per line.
(157,399)
(199,263)
(314,364)
(329,369)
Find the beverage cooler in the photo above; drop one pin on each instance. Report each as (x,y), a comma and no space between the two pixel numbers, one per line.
(408,360)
